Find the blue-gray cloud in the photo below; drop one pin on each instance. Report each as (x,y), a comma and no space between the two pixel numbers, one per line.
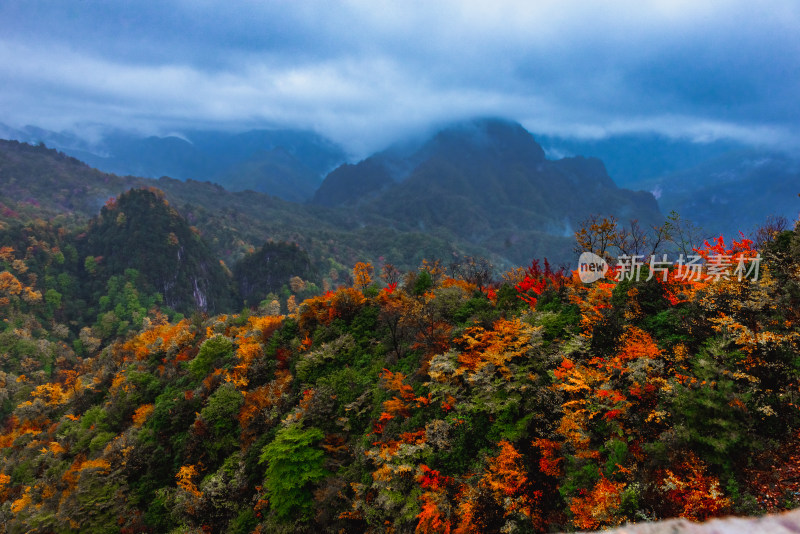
(366,72)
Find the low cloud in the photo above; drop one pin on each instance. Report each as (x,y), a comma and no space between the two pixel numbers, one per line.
(366,74)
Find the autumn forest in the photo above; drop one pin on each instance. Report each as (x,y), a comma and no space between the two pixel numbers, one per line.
(145,386)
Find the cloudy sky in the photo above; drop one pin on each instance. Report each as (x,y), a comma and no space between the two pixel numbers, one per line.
(366,72)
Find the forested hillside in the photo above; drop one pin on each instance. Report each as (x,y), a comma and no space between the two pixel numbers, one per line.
(41,183)
(430,400)
(475,188)
(318,267)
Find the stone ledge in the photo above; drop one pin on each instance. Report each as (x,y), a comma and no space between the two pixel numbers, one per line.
(785,523)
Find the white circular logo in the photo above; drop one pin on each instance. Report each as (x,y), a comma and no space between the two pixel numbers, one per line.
(591,267)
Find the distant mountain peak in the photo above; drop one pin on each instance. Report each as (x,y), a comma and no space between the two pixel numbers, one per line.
(488,135)
(140,230)
(487,181)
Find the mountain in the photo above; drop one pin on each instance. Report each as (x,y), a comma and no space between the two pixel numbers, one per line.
(289,164)
(733,192)
(430,400)
(722,186)
(267,269)
(275,171)
(484,187)
(487,181)
(632,158)
(351,183)
(139,230)
(34,135)
(41,183)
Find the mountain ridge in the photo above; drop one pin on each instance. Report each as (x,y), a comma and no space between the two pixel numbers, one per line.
(42,183)
(483,180)
(287,163)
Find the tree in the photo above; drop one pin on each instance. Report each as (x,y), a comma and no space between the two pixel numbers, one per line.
(601,236)
(215,352)
(684,235)
(474,270)
(294,465)
(766,233)
(220,421)
(596,235)
(362,275)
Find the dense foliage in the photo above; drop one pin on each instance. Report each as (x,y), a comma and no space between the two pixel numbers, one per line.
(139,230)
(267,271)
(425,401)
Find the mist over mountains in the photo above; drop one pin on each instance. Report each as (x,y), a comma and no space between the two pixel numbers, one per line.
(488,181)
(723,186)
(286,163)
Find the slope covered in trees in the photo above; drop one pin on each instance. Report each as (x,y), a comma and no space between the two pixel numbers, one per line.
(43,184)
(267,270)
(139,230)
(424,401)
